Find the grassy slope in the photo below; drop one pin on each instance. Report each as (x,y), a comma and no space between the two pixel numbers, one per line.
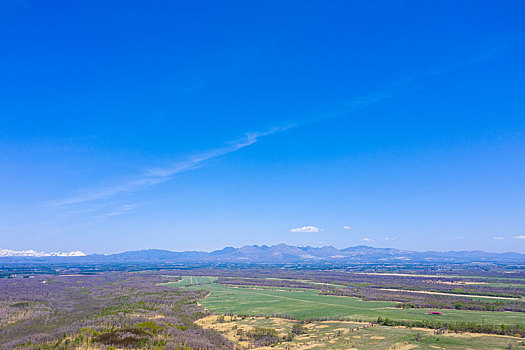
(335,335)
(304,304)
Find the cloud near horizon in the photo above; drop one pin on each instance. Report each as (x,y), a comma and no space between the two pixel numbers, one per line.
(366,239)
(305,229)
(520,237)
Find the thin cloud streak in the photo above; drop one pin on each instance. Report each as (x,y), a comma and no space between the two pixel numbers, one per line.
(159,175)
(162,174)
(122,210)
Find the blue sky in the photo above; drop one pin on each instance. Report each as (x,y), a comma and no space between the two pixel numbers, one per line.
(200,124)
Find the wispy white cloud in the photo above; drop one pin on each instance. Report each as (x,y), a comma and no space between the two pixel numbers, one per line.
(499,238)
(122,210)
(159,175)
(519,237)
(390,238)
(305,229)
(366,239)
(347,227)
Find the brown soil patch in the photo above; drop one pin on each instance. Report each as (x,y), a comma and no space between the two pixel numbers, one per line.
(404,346)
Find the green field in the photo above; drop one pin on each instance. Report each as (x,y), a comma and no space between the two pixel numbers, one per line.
(308,304)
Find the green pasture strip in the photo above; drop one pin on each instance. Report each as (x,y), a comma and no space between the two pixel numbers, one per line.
(509,285)
(401,274)
(489,277)
(486,298)
(308,304)
(510,279)
(308,281)
(248,286)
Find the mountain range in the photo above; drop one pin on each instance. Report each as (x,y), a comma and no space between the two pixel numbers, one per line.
(276,254)
(33,253)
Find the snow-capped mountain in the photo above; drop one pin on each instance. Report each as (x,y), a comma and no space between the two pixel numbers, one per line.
(34,253)
(277,254)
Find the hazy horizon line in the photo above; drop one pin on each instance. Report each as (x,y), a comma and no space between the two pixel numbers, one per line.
(258,245)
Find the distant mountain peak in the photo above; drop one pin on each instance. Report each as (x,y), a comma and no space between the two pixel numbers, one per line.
(34,253)
(225,250)
(275,254)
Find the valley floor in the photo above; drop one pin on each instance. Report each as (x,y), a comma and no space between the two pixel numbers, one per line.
(303,304)
(263,317)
